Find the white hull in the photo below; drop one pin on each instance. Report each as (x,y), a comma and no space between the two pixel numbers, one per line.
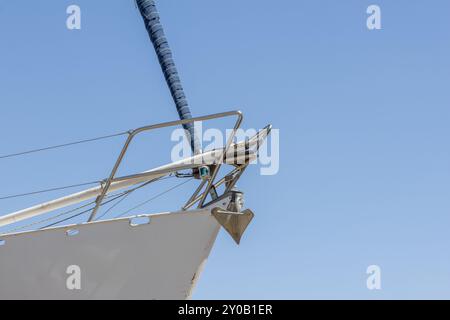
(158,260)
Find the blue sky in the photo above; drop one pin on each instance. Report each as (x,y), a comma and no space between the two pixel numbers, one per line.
(363,118)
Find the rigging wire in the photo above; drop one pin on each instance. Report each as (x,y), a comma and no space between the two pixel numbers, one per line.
(68,218)
(153,198)
(64,145)
(113,206)
(49,219)
(122,195)
(128,192)
(80,213)
(60,214)
(56,147)
(49,190)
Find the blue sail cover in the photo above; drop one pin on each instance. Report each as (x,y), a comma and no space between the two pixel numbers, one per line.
(155,30)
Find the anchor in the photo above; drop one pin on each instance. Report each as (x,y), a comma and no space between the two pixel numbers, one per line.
(233,220)
(234,223)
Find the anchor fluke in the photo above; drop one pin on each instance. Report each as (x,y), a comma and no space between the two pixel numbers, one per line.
(234,223)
